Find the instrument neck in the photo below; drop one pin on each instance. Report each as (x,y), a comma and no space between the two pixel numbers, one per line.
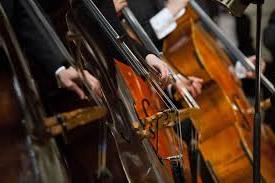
(142,35)
(229,45)
(148,43)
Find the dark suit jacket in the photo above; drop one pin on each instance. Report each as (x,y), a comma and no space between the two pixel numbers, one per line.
(269,42)
(89,22)
(35,45)
(144,10)
(269,35)
(243,31)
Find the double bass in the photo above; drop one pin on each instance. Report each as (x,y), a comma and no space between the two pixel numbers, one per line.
(228,126)
(156,124)
(215,68)
(26,149)
(107,149)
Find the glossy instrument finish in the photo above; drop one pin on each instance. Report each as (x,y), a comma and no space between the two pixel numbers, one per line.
(165,141)
(27,153)
(224,125)
(137,161)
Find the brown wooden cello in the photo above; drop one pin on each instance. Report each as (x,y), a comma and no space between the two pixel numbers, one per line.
(156,119)
(220,122)
(225,126)
(101,151)
(164,140)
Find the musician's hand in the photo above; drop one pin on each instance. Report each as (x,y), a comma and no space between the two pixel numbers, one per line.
(192,84)
(69,78)
(161,66)
(185,2)
(174,6)
(252,75)
(120,4)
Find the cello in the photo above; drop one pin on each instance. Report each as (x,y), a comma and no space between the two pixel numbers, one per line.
(152,124)
(86,145)
(212,96)
(192,50)
(135,30)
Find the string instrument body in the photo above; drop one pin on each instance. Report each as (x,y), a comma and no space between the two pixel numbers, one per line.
(224,125)
(164,141)
(129,158)
(27,154)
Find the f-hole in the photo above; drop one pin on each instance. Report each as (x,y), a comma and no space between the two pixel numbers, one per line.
(145,105)
(198,59)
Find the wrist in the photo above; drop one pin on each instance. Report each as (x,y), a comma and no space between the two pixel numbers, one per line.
(175,7)
(150,56)
(163,23)
(171,8)
(59,70)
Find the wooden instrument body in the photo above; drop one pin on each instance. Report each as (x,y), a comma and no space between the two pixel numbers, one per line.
(147,103)
(26,155)
(129,158)
(224,125)
(14,159)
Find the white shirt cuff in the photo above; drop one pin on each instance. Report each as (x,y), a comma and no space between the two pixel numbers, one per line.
(56,75)
(240,70)
(180,13)
(163,23)
(59,70)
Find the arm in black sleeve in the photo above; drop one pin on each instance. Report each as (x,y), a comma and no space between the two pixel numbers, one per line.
(269,34)
(144,10)
(35,43)
(243,30)
(108,10)
(89,22)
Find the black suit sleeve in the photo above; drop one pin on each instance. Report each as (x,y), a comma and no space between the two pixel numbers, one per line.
(269,34)
(35,43)
(144,10)
(243,30)
(87,20)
